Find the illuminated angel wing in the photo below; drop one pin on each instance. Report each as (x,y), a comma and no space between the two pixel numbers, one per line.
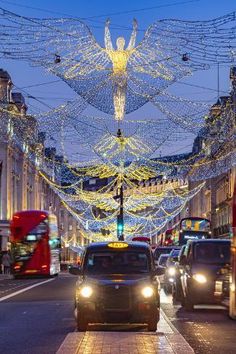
(173,48)
(65,46)
(187,114)
(169,51)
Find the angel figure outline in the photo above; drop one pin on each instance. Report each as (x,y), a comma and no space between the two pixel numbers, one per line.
(121,80)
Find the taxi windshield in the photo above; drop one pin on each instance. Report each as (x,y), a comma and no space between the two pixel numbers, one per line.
(211,253)
(117,262)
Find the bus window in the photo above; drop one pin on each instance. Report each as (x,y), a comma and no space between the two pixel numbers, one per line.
(35,243)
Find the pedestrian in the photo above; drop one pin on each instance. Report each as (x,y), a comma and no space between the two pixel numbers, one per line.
(6,262)
(1,266)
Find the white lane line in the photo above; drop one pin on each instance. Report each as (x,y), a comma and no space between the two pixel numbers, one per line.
(25,289)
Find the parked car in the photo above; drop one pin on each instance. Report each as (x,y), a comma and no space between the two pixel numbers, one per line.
(117,283)
(205,272)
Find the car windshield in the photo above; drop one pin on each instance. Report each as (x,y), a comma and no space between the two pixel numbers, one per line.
(174,253)
(162,260)
(209,252)
(117,262)
(159,251)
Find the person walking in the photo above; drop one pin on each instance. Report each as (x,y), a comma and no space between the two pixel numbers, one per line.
(6,262)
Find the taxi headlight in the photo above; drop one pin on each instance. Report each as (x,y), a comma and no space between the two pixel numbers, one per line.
(147,292)
(200,278)
(171,271)
(86,291)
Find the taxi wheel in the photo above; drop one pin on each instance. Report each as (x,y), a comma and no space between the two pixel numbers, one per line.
(82,325)
(152,325)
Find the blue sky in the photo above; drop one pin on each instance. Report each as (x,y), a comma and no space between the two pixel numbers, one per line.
(94,13)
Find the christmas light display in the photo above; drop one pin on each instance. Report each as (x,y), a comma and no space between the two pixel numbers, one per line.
(119,81)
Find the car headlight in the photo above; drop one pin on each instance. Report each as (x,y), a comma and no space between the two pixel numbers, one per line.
(86,291)
(147,292)
(171,271)
(200,278)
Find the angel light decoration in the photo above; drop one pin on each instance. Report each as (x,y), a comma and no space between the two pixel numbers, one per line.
(118,81)
(119,59)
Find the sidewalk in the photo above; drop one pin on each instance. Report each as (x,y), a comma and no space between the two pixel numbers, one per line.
(5,276)
(167,340)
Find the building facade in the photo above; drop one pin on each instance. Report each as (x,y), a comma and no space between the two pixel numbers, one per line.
(215,199)
(21,185)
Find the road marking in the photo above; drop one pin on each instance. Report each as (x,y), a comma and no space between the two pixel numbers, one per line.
(25,289)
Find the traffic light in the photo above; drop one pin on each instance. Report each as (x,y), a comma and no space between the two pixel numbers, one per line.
(120,226)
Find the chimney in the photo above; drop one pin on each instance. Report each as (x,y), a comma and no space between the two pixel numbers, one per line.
(5,86)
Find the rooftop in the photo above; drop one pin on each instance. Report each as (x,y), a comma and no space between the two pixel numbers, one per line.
(4,74)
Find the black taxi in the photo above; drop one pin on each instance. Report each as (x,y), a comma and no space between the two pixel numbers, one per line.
(117,283)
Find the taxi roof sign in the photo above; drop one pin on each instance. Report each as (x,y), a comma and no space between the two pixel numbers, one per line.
(118,245)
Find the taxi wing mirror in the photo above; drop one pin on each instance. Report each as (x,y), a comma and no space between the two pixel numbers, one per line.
(75,270)
(183,260)
(159,270)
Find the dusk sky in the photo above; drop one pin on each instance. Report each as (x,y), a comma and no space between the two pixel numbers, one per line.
(121,13)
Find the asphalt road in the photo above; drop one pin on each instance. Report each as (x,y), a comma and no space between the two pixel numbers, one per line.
(37,321)
(208,329)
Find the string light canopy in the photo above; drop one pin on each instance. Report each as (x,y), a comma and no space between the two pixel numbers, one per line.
(118,81)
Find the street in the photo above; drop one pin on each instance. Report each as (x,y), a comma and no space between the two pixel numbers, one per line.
(38,319)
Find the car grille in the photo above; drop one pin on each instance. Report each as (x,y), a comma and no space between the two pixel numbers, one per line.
(116,297)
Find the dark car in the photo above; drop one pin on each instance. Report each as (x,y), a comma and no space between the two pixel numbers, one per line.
(117,283)
(176,286)
(170,271)
(162,260)
(205,272)
(163,250)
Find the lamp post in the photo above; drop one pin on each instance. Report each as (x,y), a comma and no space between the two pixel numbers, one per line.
(120,195)
(120,216)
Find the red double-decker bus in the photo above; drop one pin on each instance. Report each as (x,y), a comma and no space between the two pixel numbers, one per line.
(35,244)
(141,239)
(187,229)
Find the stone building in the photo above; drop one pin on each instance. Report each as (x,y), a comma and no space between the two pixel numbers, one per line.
(21,185)
(215,199)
